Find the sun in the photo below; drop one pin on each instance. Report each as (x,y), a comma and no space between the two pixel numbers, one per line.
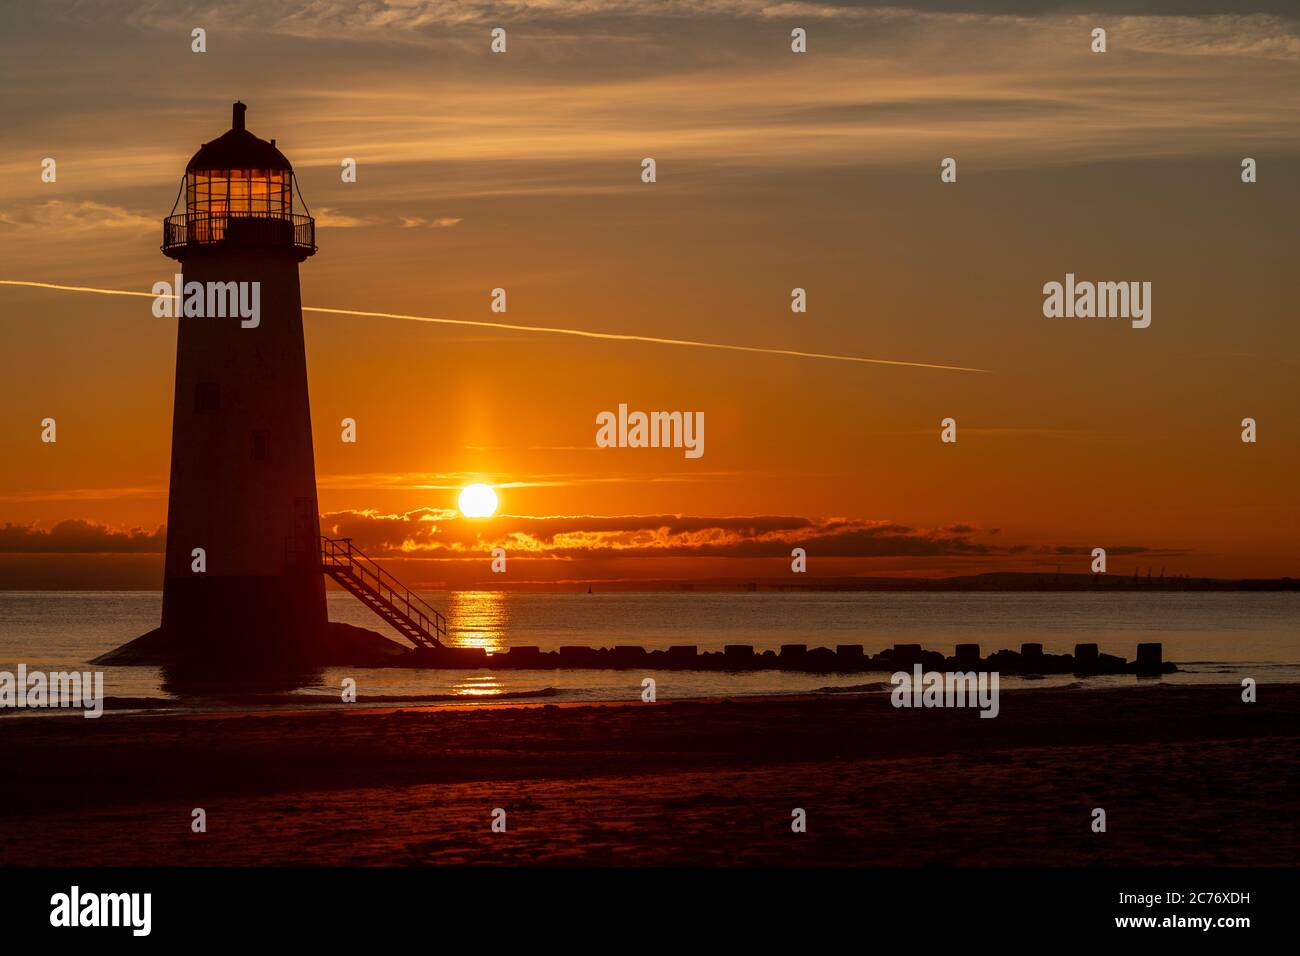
(477,501)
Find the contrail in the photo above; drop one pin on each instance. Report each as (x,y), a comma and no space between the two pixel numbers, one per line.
(581,333)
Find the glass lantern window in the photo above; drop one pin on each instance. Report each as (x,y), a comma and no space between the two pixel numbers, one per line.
(223,193)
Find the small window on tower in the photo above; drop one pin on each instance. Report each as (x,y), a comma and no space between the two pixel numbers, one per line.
(261,446)
(207,397)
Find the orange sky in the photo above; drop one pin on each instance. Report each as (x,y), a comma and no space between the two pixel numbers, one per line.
(775,171)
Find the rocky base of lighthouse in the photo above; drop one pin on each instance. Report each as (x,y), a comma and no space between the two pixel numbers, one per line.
(335,645)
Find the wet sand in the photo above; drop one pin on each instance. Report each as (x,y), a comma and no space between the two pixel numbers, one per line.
(1186,774)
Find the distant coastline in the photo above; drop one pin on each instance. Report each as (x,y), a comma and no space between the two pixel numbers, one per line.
(1010,581)
(1031,581)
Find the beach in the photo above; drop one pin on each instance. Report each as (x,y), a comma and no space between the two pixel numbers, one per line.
(1187,774)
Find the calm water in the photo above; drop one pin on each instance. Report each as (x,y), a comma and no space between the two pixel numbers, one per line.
(1216,638)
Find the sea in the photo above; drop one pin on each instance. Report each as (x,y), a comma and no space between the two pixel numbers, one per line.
(1214,637)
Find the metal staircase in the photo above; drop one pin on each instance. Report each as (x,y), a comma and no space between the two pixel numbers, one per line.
(378,590)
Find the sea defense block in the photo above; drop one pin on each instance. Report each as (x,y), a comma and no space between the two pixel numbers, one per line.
(628,655)
(967,654)
(1005,660)
(572,655)
(1031,651)
(738,655)
(933,661)
(460,657)
(526,655)
(1150,658)
(820,659)
(905,655)
(850,656)
(1085,655)
(792,654)
(1110,664)
(682,653)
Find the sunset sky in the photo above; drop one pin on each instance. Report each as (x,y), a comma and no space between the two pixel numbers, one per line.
(775,170)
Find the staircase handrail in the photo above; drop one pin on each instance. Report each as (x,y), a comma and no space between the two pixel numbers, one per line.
(343,553)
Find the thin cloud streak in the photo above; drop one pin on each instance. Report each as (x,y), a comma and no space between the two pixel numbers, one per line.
(457,481)
(84,217)
(580,333)
(85,494)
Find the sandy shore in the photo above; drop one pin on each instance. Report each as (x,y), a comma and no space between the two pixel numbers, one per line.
(1186,774)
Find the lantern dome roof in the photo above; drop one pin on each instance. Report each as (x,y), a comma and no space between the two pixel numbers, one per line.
(237,148)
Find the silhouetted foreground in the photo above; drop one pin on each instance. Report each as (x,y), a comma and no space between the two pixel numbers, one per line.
(1186,774)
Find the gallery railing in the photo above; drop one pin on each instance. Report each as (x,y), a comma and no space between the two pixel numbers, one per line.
(291,230)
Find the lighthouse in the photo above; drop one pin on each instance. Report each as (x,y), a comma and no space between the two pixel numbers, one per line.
(244,573)
(242,578)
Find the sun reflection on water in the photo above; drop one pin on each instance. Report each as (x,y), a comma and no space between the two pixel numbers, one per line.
(478,619)
(479,685)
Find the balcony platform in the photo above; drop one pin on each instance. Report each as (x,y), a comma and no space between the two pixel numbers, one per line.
(185,235)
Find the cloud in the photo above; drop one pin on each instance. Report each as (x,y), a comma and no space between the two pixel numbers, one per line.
(454,481)
(56,217)
(445,534)
(76,536)
(436,533)
(333,219)
(86,494)
(415,222)
(417,20)
(709,88)
(427,21)
(1254,35)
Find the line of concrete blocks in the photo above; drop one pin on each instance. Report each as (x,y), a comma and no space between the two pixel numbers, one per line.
(1030,659)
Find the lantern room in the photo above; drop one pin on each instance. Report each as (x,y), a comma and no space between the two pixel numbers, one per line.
(239,191)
